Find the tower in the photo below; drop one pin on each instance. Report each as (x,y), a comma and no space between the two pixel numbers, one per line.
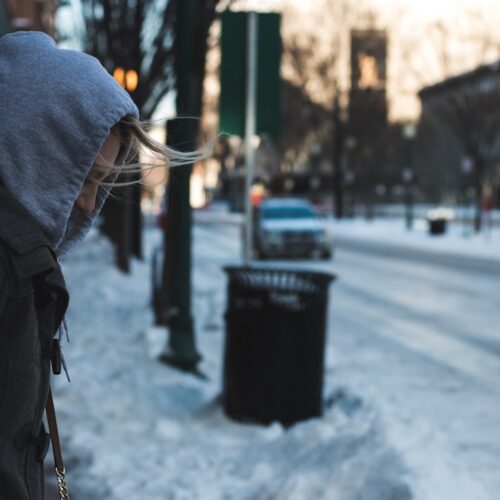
(368,101)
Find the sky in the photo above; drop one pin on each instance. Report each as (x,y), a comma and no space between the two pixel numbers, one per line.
(415,42)
(422,32)
(423,8)
(410,44)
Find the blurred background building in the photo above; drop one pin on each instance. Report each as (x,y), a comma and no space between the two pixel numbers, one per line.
(351,73)
(21,15)
(463,113)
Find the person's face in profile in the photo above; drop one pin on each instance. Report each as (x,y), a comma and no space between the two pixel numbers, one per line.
(108,154)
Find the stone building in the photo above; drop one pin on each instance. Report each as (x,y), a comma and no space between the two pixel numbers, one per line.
(459,135)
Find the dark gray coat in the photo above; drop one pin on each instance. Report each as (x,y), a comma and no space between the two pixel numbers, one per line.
(33,300)
(57,108)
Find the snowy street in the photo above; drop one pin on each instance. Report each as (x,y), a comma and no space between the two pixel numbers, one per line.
(411,386)
(415,333)
(419,338)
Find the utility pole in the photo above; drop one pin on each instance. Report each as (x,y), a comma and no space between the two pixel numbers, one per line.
(181,351)
(190,46)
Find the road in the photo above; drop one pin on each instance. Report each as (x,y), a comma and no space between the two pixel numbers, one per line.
(417,337)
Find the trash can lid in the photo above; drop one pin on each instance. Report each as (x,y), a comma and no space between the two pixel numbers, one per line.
(299,280)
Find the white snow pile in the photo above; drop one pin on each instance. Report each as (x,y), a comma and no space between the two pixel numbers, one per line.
(134,428)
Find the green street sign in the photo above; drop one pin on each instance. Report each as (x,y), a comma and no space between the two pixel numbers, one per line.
(4,19)
(233,73)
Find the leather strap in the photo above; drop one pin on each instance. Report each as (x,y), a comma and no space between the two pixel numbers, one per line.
(54,433)
(56,448)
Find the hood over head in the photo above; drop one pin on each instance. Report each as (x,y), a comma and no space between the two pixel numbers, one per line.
(57,107)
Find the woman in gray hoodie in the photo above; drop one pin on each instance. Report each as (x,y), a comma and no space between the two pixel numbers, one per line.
(65,127)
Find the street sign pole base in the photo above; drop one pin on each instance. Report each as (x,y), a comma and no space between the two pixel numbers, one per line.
(181,352)
(182,364)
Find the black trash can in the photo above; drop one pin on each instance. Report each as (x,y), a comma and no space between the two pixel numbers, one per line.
(275,344)
(437,226)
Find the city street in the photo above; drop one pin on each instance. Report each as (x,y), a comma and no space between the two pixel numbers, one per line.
(415,334)
(189,189)
(412,402)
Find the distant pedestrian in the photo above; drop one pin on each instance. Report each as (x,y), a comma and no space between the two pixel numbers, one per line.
(66,129)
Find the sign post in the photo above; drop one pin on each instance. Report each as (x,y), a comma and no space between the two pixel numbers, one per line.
(250,128)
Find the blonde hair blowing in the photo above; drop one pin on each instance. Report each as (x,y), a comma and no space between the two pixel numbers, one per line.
(134,138)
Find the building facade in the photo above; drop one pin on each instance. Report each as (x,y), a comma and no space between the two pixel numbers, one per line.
(459,135)
(27,15)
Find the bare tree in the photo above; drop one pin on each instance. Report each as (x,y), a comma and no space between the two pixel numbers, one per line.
(134,35)
(316,55)
(136,40)
(459,119)
(425,51)
(314,49)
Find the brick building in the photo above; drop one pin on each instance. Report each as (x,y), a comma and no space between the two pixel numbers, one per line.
(21,15)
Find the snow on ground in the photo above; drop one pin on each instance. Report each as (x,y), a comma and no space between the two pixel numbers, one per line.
(459,239)
(134,428)
(416,339)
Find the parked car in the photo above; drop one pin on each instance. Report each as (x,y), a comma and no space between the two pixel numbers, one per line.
(290,227)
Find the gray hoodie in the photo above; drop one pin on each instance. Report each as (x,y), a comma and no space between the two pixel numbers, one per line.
(57,108)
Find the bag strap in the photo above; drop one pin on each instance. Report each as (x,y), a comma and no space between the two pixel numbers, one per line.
(56,448)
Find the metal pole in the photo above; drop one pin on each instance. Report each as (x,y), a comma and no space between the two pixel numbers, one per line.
(182,351)
(409,207)
(250,128)
(338,160)
(409,133)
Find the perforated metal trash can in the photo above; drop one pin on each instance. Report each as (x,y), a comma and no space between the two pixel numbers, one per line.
(275,344)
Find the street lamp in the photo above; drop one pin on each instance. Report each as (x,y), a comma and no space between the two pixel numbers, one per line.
(129,79)
(408,174)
